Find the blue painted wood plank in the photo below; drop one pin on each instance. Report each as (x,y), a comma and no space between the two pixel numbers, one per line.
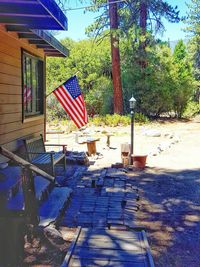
(49,211)
(41,186)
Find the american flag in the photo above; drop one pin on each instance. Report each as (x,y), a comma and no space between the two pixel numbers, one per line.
(27,94)
(70,97)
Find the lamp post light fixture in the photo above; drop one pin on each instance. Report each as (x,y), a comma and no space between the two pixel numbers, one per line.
(132,103)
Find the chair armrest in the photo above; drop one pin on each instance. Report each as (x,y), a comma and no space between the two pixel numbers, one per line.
(63,146)
(54,145)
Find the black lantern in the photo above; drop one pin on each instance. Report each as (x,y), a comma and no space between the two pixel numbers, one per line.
(132,103)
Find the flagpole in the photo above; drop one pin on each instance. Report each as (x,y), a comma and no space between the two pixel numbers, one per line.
(49,94)
(54,89)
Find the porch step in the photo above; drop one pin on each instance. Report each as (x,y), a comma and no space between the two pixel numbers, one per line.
(15,198)
(50,210)
(54,206)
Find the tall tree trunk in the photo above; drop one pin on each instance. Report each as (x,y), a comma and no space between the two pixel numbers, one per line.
(116,72)
(143,16)
(143,26)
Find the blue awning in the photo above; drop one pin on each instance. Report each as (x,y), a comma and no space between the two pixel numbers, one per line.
(36,14)
(30,19)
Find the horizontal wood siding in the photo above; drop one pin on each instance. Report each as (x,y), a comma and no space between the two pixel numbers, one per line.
(10,70)
(10,99)
(12,129)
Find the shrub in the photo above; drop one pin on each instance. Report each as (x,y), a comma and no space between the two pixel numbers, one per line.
(117,120)
(192,109)
(97,121)
(99,99)
(141,118)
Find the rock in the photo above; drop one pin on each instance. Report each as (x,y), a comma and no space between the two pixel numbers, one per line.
(152,133)
(77,157)
(155,152)
(53,235)
(117,165)
(163,146)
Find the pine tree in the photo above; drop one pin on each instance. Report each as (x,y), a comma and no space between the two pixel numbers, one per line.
(116,72)
(184,82)
(193,27)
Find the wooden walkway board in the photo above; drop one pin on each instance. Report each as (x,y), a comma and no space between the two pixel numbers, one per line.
(93,247)
(48,211)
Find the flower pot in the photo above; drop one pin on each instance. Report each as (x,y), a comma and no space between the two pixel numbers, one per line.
(139,161)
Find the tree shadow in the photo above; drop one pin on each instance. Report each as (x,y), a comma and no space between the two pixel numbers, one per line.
(170,212)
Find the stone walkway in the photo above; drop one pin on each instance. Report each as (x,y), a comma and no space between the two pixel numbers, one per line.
(102,198)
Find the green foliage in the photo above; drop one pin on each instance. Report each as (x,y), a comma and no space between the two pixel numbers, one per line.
(117,120)
(193,28)
(151,86)
(99,100)
(192,109)
(165,85)
(63,124)
(89,61)
(141,118)
(179,52)
(192,20)
(92,64)
(129,13)
(111,120)
(54,109)
(183,79)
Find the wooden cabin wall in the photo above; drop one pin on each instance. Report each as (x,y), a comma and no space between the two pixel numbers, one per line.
(12,129)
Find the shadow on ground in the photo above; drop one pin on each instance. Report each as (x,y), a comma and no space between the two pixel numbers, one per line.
(170,212)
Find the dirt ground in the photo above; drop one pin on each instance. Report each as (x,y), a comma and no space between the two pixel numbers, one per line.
(169,185)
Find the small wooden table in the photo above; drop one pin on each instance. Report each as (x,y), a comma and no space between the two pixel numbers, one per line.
(91,146)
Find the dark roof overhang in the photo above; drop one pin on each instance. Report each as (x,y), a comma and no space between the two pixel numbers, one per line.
(31,18)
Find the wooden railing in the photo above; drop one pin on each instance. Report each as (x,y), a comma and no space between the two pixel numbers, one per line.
(30,202)
(25,164)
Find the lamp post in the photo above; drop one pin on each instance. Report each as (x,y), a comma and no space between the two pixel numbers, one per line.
(132,103)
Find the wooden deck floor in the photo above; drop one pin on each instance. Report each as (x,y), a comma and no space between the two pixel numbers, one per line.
(117,248)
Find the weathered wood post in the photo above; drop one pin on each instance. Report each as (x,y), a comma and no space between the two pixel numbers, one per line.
(29,196)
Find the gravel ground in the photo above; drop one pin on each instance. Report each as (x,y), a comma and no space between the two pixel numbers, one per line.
(169,185)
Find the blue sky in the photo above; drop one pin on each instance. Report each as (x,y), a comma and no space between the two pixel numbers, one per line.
(78,21)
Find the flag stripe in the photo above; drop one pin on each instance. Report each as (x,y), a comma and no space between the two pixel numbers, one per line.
(79,98)
(72,102)
(71,105)
(66,108)
(27,94)
(73,114)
